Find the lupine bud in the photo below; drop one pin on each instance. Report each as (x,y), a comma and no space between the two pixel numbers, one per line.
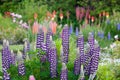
(31,77)
(77,13)
(109,36)
(53,60)
(40,38)
(65,43)
(64,72)
(77,63)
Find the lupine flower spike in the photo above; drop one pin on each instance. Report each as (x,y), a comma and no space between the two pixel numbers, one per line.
(77,63)
(53,60)
(64,72)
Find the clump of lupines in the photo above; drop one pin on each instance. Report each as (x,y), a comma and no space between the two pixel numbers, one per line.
(77,63)
(40,38)
(80,45)
(65,43)
(53,60)
(64,72)
(21,67)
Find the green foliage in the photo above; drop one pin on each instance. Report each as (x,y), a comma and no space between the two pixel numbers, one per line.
(11,31)
(27,8)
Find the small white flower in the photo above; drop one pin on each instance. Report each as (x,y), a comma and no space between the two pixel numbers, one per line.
(116,36)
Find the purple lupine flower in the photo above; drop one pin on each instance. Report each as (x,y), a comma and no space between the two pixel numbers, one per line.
(118,26)
(71,29)
(24,50)
(109,36)
(6,55)
(77,63)
(43,58)
(65,43)
(64,72)
(80,45)
(77,31)
(48,34)
(13,57)
(91,43)
(95,59)
(6,76)
(87,59)
(21,69)
(53,60)
(40,38)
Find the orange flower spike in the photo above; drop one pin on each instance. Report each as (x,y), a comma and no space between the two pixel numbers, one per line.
(92,18)
(54,27)
(35,15)
(35,27)
(67,14)
(54,13)
(61,16)
(44,29)
(104,13)
(107,15)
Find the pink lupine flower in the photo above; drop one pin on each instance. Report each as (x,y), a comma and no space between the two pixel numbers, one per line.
(35,27)
(77,12)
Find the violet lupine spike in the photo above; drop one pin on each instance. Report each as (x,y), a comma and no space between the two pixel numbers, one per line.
(109,36)
(6,76)
(77,63)
(71,30)
(64,72)
(80,45)
(65,43)
(87,59)
(24,50)
(13,57)
(21,66)
(40,38)
(5,55)
(95,59)
(48,34)
(21,69)
(53,60)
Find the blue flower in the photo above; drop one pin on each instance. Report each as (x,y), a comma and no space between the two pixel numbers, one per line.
(71,29)
(109,36)
(118,26)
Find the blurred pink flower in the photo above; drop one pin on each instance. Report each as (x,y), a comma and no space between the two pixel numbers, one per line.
(31,77)
(77,12)
(35,27)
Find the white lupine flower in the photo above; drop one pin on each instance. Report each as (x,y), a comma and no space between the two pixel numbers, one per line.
(116,36)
